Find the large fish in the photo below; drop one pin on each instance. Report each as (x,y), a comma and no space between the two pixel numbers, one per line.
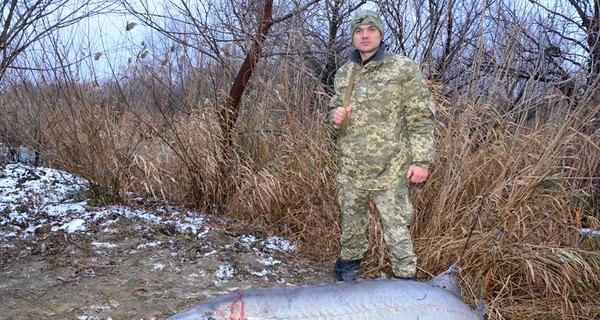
(438,298)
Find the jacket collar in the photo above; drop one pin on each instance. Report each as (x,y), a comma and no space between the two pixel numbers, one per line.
(355,55)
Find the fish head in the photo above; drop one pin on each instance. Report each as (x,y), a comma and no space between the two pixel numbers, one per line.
(226,307)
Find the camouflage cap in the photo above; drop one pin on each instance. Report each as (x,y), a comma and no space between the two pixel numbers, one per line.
(366,17)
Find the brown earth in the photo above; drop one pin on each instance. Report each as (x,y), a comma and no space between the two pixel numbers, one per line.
(139,269)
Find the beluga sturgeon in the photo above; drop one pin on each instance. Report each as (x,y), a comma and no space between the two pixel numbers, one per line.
(383,299)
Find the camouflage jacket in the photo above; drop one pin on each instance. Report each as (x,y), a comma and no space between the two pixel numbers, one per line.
(391,125)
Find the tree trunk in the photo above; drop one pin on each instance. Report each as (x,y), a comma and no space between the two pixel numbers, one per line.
(229,112)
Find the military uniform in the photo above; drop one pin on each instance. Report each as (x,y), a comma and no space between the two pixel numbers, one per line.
(389,129)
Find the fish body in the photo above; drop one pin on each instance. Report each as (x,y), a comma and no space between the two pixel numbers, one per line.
(357,300)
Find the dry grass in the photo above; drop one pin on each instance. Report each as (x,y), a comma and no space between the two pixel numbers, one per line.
(526,256)
(526,184)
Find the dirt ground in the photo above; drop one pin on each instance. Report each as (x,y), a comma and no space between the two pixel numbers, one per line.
(138,269)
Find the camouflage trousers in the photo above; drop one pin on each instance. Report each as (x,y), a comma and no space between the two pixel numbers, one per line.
(396,215)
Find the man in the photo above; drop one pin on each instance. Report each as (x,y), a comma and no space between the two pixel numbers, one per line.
(385,142)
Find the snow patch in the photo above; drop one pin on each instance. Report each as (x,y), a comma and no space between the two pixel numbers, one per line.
(269,261)
(105,245)
(72,226)
(279,244)
(225,272)
(590,232)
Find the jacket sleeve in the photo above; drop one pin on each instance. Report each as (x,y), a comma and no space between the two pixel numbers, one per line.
(419,118)
(334,103)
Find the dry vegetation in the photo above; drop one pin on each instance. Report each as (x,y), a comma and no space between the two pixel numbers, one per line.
(517,178)
(527,185)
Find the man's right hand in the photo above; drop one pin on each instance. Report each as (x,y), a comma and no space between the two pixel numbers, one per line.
(341,114)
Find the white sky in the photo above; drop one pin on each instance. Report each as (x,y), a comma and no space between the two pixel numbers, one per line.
(106,34)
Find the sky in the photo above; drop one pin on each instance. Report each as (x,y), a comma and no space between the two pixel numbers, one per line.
(107,34)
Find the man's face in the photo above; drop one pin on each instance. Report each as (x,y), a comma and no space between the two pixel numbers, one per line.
(366,40)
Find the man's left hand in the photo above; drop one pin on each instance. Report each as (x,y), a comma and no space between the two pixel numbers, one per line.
(417,174)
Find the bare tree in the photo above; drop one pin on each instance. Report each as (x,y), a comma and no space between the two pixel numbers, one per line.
(575,26)
(27,22)
(464,42)
(434,32)
(243,23)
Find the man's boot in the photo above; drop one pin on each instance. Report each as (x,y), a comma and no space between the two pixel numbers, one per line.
(346,270)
